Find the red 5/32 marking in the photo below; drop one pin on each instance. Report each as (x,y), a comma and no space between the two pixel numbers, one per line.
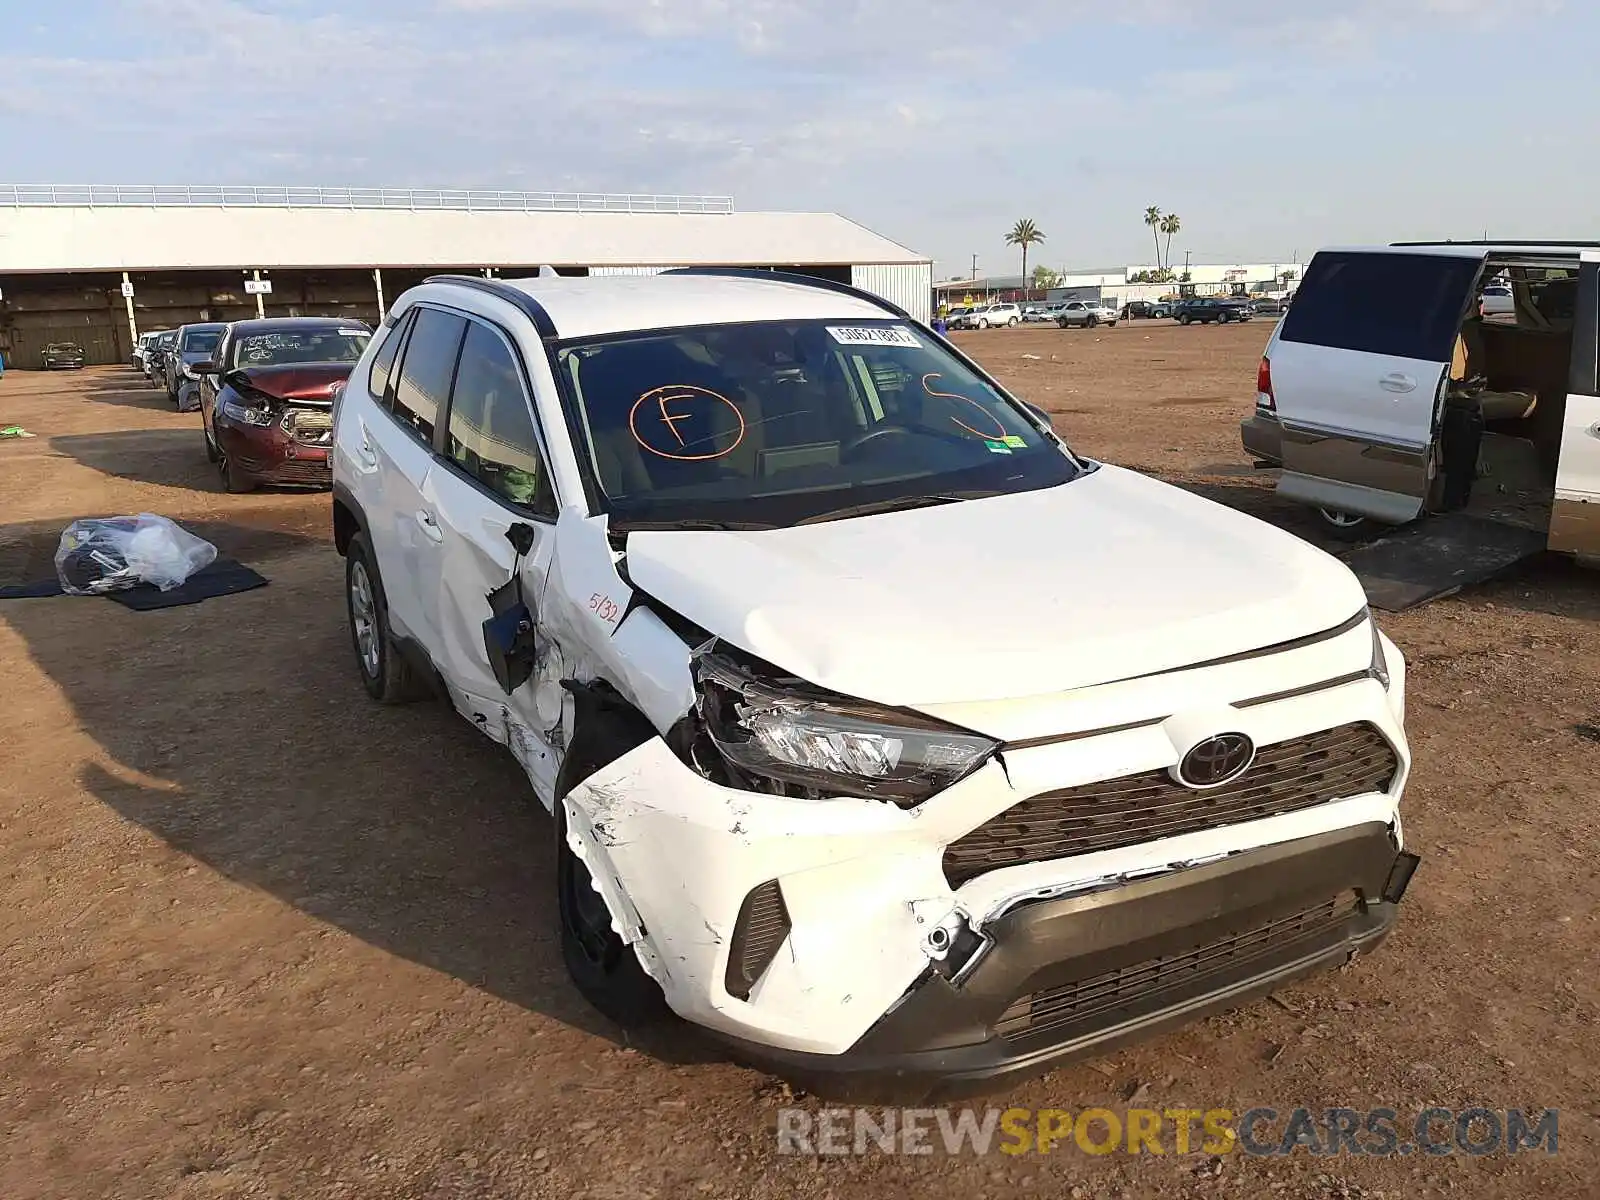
(604,607)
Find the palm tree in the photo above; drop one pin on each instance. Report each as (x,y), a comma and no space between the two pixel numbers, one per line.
(1152,218)
(1024,233)
(1170,224)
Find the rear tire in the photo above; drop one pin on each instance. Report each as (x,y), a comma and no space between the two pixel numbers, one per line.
(1011,322)
(1348,527)
(384,671)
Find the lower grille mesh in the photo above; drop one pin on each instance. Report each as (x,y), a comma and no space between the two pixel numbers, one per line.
(1331,764)
(1047,1012)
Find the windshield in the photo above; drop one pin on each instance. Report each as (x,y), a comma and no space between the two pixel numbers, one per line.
(201,341)
(778,422)
(285,346)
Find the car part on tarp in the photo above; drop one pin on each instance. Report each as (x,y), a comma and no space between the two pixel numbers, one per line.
(96,556)
(1439,556)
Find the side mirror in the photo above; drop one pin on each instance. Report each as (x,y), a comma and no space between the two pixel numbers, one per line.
(1040,413)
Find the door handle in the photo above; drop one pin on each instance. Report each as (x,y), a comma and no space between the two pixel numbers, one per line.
(366,454)
(429,526)
(1398,383)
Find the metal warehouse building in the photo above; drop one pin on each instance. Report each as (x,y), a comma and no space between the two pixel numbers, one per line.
(99,265)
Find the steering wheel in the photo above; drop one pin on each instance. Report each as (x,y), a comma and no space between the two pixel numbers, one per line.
(873,435)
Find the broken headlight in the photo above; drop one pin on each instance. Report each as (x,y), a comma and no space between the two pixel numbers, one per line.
(782,736)
(240,410)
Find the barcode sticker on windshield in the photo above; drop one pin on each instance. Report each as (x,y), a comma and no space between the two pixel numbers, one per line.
(874,335)
(354,332)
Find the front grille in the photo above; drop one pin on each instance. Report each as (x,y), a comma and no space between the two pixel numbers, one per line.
(293,471)
(1153,984)
(1286,777)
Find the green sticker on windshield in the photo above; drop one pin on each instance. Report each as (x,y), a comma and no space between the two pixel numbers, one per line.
(1015,442)
(997,447)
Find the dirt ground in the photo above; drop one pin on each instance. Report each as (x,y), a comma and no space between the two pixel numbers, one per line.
(264,938)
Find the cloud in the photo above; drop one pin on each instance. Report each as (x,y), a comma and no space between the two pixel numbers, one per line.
(918,117)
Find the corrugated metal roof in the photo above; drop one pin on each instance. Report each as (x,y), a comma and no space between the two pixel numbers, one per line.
(68,238)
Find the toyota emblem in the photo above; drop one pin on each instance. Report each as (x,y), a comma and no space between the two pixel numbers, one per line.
(1217,760)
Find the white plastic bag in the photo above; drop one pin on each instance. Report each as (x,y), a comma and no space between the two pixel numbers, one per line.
(111,553)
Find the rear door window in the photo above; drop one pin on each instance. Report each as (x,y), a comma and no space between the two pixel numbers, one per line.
(426,370)
(1405,305)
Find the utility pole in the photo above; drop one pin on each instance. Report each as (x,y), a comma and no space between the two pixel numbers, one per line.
(261,309)
(974,266)
(1186,255)
(377,282)
(127,298)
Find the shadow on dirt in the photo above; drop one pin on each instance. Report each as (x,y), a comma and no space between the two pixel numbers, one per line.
(154,399)
(168,457)
(243,739)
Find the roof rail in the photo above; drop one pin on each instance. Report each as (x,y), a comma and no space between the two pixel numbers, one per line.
(828,285)
(513,296)
(1503,242)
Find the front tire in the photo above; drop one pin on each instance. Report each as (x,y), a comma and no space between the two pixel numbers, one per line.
(234,480)
(384,671)
(605,969)
(1092,322)
(983,324)
(1185,319)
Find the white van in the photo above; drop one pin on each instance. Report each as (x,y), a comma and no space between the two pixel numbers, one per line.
(1384,395)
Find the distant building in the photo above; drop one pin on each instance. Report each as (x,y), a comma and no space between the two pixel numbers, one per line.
(99,265)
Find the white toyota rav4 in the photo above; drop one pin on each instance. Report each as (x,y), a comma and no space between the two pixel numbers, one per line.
(884,734)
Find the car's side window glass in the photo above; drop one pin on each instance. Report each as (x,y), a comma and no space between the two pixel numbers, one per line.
(426,370)
(383,365)
(1405,305)
(491,431)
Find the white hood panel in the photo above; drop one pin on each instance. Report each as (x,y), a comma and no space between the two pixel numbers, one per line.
(1106,578)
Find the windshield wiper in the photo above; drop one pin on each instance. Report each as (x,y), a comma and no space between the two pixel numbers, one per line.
(898,504)
(687,523)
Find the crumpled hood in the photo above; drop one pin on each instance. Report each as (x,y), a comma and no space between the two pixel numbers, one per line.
(1105,578)
(297,381)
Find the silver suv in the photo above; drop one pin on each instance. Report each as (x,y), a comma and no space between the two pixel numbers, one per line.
(1086,313)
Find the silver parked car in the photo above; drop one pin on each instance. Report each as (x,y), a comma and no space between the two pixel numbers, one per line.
(1087,313)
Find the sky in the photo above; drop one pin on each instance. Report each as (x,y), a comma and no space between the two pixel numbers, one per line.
(1269,126)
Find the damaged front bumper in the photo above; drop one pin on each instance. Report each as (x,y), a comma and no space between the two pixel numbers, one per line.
(843,936)
(1070,978)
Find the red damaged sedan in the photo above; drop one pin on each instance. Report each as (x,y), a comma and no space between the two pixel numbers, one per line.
(266,400)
